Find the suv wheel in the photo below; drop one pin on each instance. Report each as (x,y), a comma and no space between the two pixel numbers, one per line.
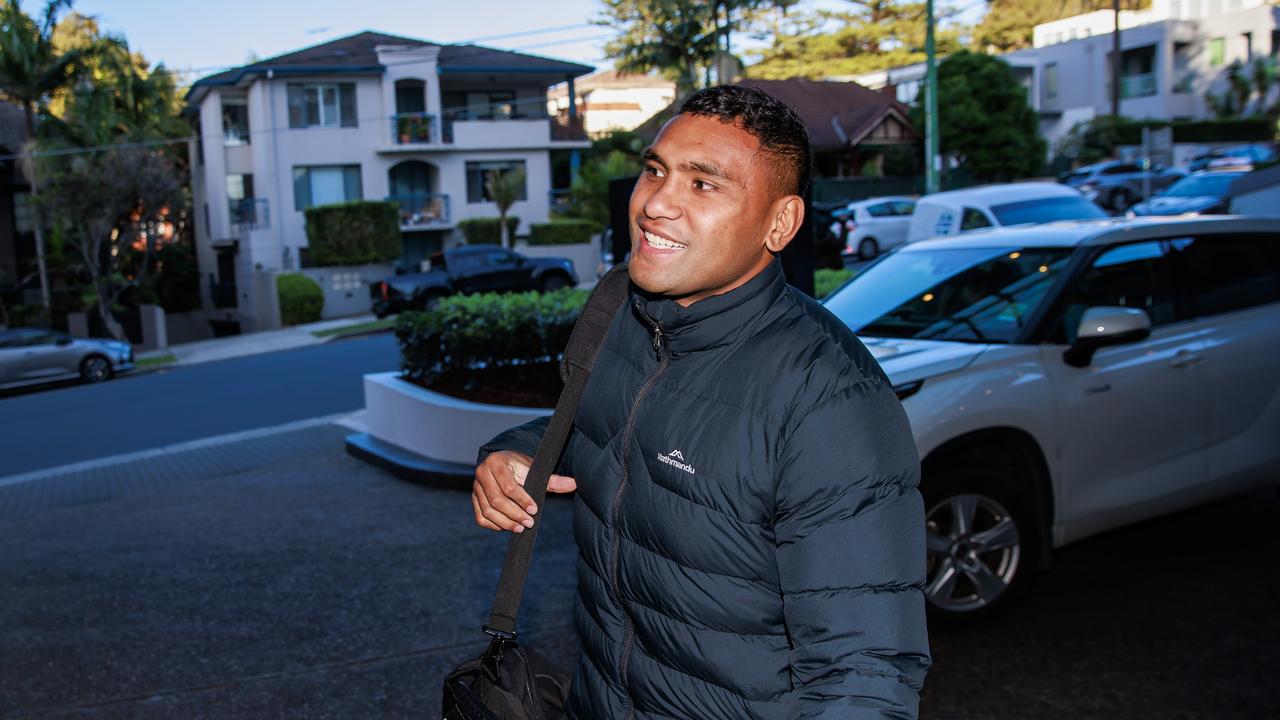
(981,543)
(554,282)
(868,249)
(95,368)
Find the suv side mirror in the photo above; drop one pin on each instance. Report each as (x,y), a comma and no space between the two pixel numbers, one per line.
(1105,326)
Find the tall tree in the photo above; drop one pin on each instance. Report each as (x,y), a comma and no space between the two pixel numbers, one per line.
(32,70)
(505,188)
(866,35)
(678,38)
(987,124)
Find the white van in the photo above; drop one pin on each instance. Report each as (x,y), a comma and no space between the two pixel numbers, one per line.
(956,211)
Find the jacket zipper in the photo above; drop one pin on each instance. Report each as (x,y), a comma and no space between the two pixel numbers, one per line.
(628,636)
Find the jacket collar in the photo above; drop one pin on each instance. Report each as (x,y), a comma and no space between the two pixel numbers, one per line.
(717,320)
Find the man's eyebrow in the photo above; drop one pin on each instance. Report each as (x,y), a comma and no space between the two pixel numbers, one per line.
(705,167)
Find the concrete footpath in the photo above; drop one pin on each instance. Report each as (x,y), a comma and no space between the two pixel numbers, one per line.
(232,346)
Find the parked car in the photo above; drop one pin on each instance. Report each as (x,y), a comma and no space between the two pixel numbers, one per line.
(1117,184)
(32,356)
(1071,378)
(869,227)
(1240,156)
(470,269)
(1201,193)
(956,211)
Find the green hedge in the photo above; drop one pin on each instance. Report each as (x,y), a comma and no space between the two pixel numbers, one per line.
(487,230)
(1129,132)
(469,339)
(825,281)
(569,231)
(301,298)
(353,233)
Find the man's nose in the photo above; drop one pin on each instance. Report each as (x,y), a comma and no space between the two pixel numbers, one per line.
(663,202)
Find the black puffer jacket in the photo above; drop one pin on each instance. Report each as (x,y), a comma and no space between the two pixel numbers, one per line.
(751,541)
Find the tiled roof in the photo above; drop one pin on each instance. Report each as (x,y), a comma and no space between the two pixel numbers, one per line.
(837,114)
(358,53)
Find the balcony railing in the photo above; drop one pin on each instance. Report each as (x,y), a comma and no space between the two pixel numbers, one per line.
(1135,86)
(412,128)
(564,127)
(250,214)
(422,211)
(493,115)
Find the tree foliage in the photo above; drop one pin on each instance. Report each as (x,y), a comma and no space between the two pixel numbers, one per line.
(1008,24)
(868,35)
(678,38)
(985,121)
(505,188)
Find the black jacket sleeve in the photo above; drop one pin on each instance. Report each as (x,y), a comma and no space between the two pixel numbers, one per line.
(521,438)
(851,558)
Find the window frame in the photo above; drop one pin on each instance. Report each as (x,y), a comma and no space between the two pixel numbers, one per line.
(306,170)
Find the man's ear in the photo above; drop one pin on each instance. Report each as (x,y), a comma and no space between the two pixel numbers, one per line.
(787,215)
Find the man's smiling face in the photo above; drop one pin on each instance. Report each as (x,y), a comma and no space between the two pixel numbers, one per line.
(706,213)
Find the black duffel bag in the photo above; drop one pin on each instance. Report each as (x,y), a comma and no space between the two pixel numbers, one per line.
(510,682)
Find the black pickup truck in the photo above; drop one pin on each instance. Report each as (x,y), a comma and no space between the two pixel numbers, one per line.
(470,269)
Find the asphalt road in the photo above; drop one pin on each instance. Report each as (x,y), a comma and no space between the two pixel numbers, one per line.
(73,423)
(318,586)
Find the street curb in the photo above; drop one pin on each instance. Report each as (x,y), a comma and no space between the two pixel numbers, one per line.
(406,465)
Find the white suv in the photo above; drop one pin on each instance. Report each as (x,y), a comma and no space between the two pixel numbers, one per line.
(1069,378)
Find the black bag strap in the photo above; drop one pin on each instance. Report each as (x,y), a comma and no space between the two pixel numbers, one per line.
(610,293)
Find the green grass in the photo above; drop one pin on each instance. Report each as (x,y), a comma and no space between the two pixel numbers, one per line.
(365,327)
(826,281)
(164,359)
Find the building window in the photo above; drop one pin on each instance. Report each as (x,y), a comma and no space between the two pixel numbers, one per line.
(1247,41)
(478,174)
(483,105)
(322,105)
(235,121)
(1217,51)
(1051,80)
(325,185)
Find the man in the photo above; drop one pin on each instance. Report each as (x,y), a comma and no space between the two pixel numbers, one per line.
(750,537)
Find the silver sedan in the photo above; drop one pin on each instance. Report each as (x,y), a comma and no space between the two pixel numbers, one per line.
(29,356)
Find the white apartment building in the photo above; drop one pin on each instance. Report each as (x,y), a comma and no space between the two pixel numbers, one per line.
(368,116)
(1171,55)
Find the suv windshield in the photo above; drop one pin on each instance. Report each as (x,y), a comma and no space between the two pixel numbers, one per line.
(968,294)
(1046,210)
(1215,185)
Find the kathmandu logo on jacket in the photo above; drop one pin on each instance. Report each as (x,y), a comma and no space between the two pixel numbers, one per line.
(676,460)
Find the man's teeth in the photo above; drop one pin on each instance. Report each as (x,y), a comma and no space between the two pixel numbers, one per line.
(661,242)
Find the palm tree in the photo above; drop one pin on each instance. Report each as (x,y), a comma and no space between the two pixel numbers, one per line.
(505,188)
(31,70)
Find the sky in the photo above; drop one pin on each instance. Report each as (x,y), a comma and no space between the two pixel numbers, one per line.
(201,37)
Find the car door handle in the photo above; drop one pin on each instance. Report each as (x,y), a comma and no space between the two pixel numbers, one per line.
(1185,358)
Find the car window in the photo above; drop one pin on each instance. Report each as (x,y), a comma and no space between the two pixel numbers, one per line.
(1045,210)
(1121,169)
(971,295)
(465,262)
(972,219)
(10,339)
(1207,185)
(1134,276)
(879,210)
(901,207)
(31,337)
(497,257)
(1232,272)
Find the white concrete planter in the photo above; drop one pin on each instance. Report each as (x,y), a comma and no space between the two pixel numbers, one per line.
(436,428)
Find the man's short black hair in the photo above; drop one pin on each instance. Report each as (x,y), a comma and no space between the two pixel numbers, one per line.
(779,129)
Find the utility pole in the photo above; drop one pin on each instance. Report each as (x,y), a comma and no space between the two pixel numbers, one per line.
(932,162)
(1115,61)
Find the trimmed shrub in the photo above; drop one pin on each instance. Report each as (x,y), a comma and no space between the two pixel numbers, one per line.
(353,233)
(487,230)
(825,281)
(562,232)
(301,298)
(490,340)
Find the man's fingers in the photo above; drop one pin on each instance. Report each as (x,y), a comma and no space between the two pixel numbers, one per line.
(561,484)
(481,520)
(496,495)
(496,515)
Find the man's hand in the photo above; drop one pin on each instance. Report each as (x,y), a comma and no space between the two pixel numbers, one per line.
(498,494)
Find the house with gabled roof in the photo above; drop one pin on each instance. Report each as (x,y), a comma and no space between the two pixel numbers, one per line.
(367,116)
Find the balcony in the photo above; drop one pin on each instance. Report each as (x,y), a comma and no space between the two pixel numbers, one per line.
(1136,86)
(414,128)
(249,214)
(422,211)
(564,127)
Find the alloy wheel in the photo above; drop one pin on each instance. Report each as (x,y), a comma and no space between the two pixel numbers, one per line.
(974,552)
(96,369)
